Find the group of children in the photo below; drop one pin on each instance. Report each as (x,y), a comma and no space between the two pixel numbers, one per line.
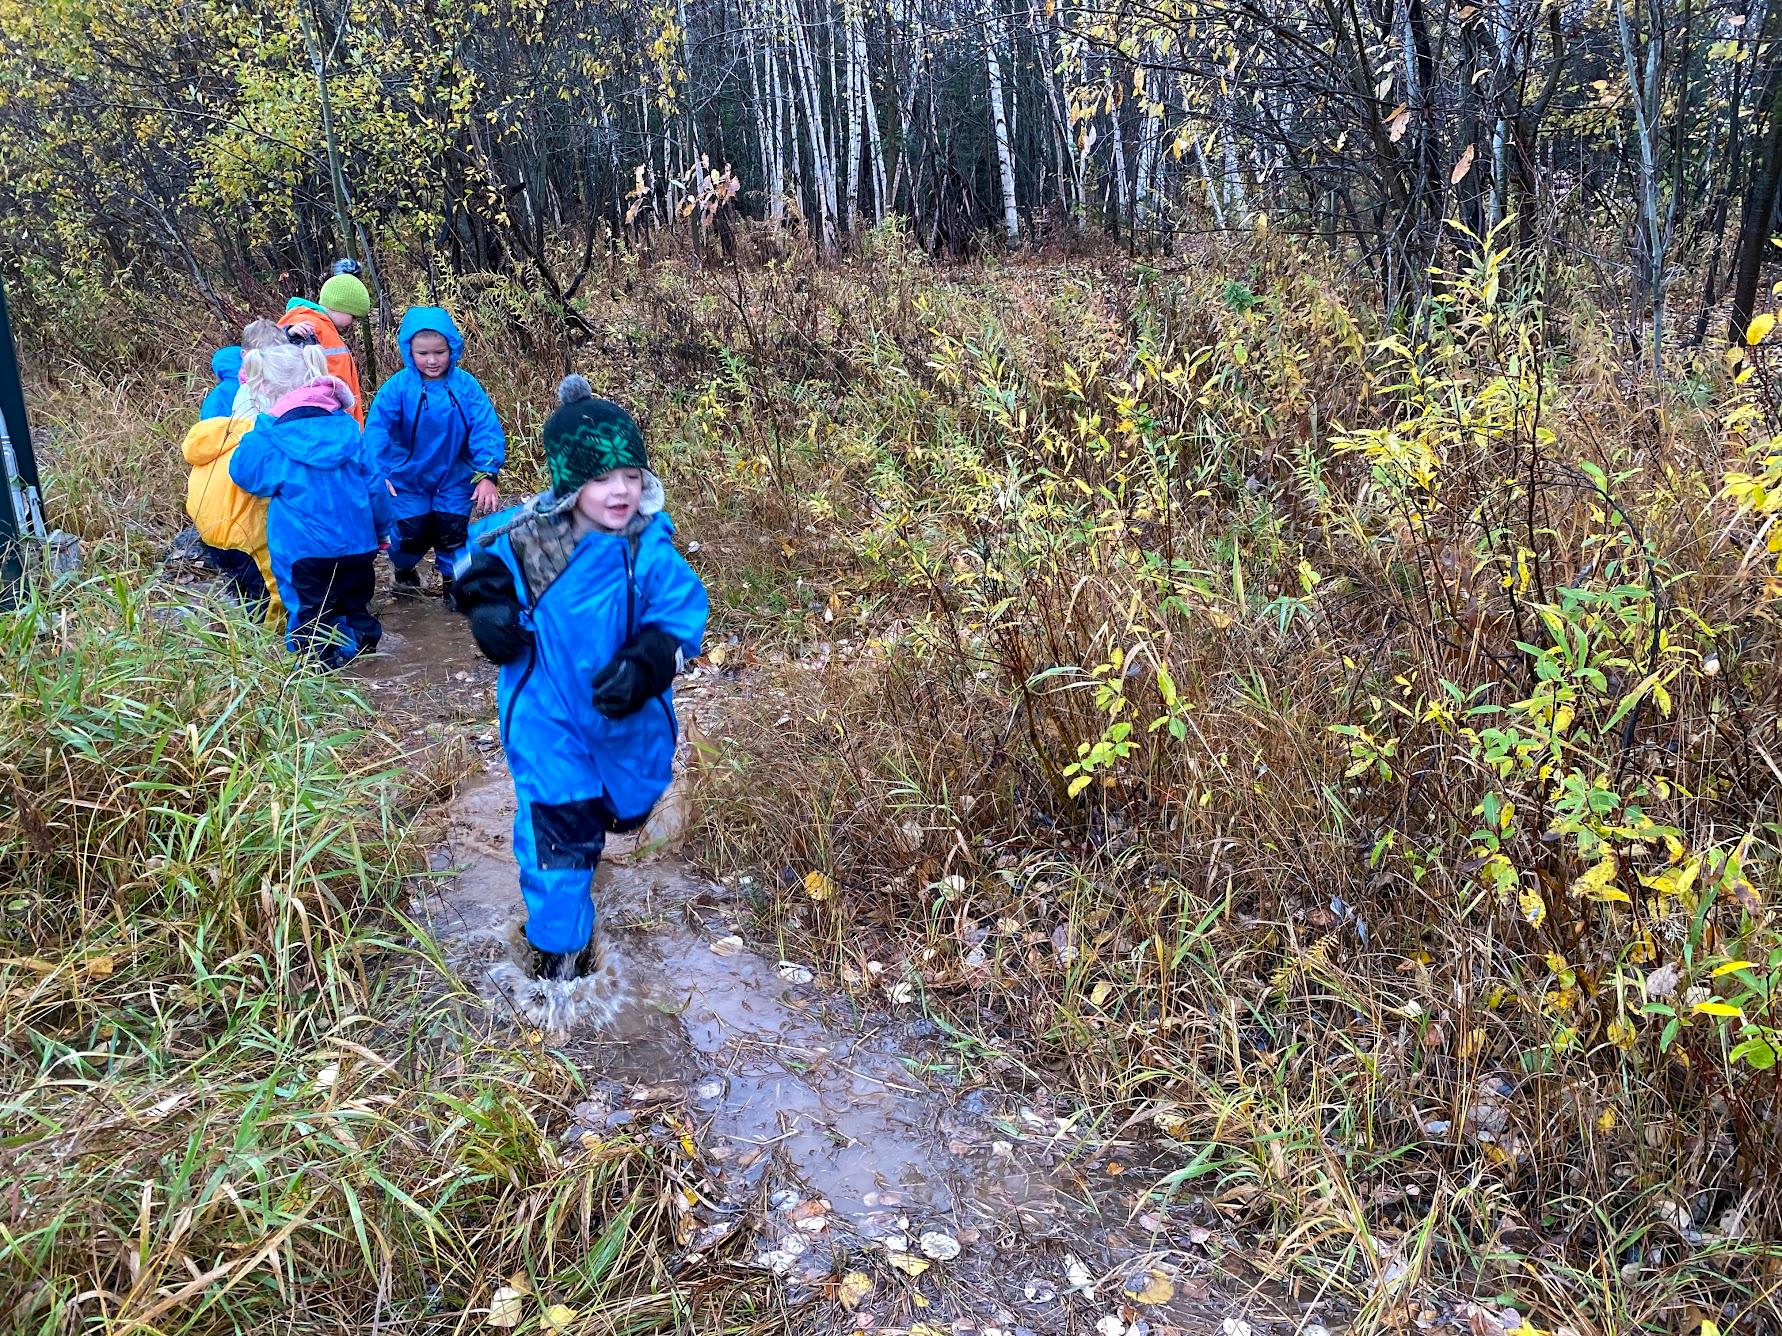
(579,594)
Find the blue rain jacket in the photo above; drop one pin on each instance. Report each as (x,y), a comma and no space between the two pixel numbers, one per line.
(226,362)
(560,750)
(433,436)
(327,495)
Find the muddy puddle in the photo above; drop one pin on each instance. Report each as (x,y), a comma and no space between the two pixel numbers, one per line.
(849,1156)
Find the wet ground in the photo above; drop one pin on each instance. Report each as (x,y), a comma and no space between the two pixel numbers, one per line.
(848,1153)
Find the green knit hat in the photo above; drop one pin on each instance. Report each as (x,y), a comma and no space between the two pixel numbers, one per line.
(343,292)
(587,437)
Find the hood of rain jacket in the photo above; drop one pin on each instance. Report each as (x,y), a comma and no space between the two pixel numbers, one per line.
(435,438)
(226,363)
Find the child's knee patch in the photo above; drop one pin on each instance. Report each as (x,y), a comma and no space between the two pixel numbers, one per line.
(570,837)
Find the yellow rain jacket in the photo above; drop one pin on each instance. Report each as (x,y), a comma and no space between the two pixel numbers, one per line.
(223,514)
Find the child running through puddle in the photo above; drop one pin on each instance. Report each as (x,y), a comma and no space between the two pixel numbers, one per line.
(440,444)
(326,502)
(584,601)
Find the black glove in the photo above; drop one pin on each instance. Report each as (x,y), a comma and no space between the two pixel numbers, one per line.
(485,593)
(641,670)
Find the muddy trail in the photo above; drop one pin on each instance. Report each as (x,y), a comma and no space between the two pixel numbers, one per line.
(855,1168)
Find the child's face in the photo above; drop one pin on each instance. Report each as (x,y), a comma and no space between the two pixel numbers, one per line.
(342,321)
(609,501)
(432,354)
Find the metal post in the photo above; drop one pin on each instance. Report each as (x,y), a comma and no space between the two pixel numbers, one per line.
(21,512)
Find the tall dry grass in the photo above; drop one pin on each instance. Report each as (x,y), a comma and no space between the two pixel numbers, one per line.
(234,1092)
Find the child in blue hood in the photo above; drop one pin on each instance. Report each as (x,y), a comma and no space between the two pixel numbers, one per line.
(584,601)
(440,446)
(226,363)
(327,503)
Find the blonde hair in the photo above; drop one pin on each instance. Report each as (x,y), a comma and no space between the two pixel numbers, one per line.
(269,374)
(263,334)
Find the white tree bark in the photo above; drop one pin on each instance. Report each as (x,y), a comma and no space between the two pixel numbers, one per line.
(875,149)
(856,78)
(1005,161)
(822,158)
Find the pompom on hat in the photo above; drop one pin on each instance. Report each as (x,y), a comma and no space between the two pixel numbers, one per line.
(587,437)
(345,293)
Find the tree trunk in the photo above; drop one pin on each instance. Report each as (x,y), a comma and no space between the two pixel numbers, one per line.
(1005,162)
(1758,216)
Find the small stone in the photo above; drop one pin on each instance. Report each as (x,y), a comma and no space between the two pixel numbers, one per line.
(941,1247)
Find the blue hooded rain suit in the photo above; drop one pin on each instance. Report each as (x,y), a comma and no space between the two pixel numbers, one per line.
(435,439)
(226,363)
(577,773)
(327,510)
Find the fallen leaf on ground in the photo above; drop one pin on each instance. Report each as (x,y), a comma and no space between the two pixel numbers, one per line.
(806,1209)
(727,946)
(1236,1326)
(507,1306)
(818,886)
(1079,1277)
(910,1266)
(1155,1288)
(558,1317)
(854,1290)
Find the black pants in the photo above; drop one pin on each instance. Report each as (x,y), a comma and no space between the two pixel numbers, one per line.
(243,574)
(330,600)
(441,531)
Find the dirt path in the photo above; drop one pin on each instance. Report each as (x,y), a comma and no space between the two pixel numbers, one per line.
(848,1154)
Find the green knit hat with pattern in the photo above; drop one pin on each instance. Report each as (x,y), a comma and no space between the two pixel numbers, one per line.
(587,437)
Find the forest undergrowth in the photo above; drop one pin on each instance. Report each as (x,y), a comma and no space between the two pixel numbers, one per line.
(1347,749)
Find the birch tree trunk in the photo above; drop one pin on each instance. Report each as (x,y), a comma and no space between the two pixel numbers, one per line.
(874,147)
(1122,193)
(856,79)
(822,159)
(1005,162)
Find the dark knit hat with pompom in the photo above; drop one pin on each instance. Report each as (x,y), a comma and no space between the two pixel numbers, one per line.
(587,437)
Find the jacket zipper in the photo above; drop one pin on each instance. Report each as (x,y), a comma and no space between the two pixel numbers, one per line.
(631,550)
(532,662)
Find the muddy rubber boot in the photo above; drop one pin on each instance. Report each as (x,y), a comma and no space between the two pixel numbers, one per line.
(557,991)
(408,584)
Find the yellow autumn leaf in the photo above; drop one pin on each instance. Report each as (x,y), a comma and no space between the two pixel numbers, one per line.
(855,1289)
(1759,328)
(1733,965)
(818,886)
(1599,882)
(1156,1288)
(1100,993)
(910,1266)
(1534,909)
(1718,1009)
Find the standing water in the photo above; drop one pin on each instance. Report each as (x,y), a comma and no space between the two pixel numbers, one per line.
(849,1153)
